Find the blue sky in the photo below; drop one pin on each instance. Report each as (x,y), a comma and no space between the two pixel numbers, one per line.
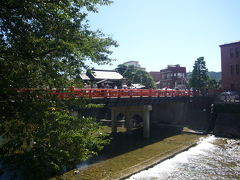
(161,32)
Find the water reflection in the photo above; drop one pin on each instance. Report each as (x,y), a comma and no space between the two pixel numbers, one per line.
(213,158)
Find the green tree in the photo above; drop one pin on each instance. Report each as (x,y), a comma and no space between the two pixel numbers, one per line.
(43,44)
(212,84)
(199,78)
(121,68)
(136,76)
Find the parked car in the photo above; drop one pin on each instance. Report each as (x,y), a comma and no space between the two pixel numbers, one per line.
(229,96)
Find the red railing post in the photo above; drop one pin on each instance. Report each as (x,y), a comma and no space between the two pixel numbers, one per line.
(105,93)
(150,92)
(90,94)
(118,93)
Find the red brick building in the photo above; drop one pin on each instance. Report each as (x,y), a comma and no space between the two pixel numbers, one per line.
(230,60)
(172,77)
(155,75)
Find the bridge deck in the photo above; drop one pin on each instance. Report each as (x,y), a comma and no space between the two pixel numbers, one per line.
(121,93)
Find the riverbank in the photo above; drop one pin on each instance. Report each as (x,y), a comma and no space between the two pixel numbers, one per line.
(212,158)
(125,163)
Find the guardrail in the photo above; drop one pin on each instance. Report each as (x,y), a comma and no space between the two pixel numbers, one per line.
(120,93)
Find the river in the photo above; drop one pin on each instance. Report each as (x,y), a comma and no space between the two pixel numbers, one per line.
(212,158)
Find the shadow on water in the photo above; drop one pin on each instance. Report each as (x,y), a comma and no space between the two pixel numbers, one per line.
(123,142)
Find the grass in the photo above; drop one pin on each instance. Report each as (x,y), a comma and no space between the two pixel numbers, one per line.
(108,129)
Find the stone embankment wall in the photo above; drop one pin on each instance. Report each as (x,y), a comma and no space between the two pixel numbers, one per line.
(195,113)
(226,119)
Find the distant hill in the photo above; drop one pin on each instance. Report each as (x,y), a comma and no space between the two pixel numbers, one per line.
(215,75)
(211,74)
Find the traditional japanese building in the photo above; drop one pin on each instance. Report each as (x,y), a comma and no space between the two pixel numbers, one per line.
(106,78)
(85,78)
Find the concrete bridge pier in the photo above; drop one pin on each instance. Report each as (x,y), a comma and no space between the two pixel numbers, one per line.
(133,115)
(128,122)
(114,123)
(146,120)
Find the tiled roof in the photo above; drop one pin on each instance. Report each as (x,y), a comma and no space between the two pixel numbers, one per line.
(106,74)
(84,77)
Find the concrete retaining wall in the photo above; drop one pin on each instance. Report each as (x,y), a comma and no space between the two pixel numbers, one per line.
(227,120)
(227,125)
(195,113)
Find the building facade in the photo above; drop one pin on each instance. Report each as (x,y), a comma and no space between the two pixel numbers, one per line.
(173,77)
(230,62)
(155,75)
(135,64)
(103,78)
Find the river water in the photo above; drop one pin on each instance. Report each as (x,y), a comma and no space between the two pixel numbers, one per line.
(213,158)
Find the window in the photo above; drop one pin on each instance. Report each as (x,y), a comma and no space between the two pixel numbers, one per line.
(231,53)
(168,75)
(237,68)
(179,75)
(236,52)
(232,69)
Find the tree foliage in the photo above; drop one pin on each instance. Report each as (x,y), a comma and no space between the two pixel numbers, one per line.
(43,43)
(212,83)
(136,76)
(49,40)
(199,77)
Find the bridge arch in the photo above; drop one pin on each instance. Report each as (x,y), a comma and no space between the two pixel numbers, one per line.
(137,121)
(104,113)
(135,116)
(120,116)
(121,119)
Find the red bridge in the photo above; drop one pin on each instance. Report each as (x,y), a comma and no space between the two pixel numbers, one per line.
(121,93)
(139,106)
(131,106)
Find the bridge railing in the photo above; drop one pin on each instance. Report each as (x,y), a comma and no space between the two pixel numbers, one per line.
(120,93)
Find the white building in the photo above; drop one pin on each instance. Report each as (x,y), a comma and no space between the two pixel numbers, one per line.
(135,64)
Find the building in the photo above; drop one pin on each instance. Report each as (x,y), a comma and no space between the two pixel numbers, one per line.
(155,75)
(230,62)
(173,77)
(135,64)
(106,78)
(85,78)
